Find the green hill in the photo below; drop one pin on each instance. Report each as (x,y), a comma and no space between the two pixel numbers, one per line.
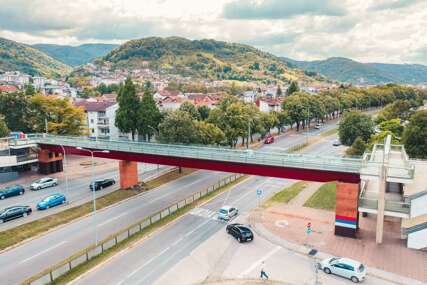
(26,59)
(76,55)
(350,71)
(205,59)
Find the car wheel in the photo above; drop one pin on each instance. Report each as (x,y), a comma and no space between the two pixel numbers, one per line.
(354,279)
(63,201)
(2,197)
(24,215)
(238,239)
(47,207)
(38,188)
(1,221)
(20,193)
(327,270)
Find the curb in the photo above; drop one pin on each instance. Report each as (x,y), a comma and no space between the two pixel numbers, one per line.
(304,250)
(137,242)
(77,219)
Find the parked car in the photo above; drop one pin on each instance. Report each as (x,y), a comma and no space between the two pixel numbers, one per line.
(14,212)
(318,126)
(51,201)
(344,267)
(44,183)
(11,191)
(336,142)
(269,139)
(102,183)
(227,212)
(240,232)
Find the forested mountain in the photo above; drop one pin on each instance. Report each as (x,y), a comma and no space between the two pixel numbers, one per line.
(350,71)
(208,59)
(15,56)
(76,55)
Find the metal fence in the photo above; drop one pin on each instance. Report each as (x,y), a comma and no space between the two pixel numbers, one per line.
(50,274)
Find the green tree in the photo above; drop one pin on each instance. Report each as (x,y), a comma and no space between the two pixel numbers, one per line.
(29,90)
(203,112)
(190,109)
(293,87)
(282,120)
(279,92)
(357,148)
(4,130)
(207,133)
(415,135)
(63,118)
(355,124)
(14,107)
(296,108)
(128,113)
(392,126)
(149,116)
(177,127)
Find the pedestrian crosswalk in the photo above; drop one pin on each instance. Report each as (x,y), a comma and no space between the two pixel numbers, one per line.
(204,213)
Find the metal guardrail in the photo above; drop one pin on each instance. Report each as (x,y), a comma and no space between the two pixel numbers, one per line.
(52,273)
(414,229)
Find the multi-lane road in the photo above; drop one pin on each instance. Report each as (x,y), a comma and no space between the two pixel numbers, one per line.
(41,252)
(77,193)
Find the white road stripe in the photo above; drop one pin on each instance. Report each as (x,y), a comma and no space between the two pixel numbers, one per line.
(257,263)
(43,252)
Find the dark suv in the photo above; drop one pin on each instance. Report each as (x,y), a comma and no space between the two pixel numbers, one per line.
(11,191)
(102,183)
(240,232)
(14,212)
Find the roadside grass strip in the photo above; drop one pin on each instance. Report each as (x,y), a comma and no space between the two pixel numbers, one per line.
(286,195)
(20,233)
(298,147)
(329,133)
(92,261)
(324,198)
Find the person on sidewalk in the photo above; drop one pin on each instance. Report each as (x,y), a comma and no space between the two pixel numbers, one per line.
(263,274)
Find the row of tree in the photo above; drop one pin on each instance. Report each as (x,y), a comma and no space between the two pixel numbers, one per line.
(33,113)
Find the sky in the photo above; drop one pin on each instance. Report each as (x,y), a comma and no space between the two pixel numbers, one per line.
(391,31)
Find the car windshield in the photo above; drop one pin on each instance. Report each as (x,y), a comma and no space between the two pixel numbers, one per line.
(47,199)
(223,211)
(244,230)
(334,259)
(361,268)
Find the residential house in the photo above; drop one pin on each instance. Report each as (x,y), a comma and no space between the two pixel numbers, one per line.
(268,105)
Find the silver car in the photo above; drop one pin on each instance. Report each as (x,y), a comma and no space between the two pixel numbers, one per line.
(44,183)
(344,267)
(227,212)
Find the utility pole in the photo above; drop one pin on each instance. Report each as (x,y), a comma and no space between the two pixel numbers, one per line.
(45,125)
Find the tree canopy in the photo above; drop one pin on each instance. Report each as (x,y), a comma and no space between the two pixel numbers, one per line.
(355,124)
(128,113)
(4,130)
(415,135)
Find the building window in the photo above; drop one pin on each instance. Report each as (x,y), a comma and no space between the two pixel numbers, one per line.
(93,131)
(91,121)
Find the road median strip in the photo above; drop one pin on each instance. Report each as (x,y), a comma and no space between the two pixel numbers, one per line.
(12,237)
(72,267)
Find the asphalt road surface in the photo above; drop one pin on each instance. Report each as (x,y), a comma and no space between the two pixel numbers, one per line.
(39,253)
(77,194)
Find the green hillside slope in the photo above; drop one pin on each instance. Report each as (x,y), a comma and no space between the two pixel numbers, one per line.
(24,58)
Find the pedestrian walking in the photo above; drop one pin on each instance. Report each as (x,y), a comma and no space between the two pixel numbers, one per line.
(263,274)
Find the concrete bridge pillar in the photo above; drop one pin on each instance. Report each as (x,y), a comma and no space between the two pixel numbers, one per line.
(346,210)
(128,173)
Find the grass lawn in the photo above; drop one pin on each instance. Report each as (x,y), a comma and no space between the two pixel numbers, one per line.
(20,233)
(286,194)
(323,198)
(329,133)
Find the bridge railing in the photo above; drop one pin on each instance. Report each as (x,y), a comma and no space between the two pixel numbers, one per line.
(315,162)
(52,273)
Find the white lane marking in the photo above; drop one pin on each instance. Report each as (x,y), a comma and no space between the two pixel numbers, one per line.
(113,219)
(258,262)
(43,252)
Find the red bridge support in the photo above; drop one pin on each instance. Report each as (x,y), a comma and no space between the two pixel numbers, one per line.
(128,173)
(346,210)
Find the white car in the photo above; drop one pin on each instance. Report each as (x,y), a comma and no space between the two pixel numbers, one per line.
(336,142)
(44,183)
(318,126)
(227,212)
(345,267)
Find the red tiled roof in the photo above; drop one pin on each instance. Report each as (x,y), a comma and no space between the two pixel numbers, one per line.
(94,106)
(8,88)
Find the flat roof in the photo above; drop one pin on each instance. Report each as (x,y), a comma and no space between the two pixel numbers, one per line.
(419,183)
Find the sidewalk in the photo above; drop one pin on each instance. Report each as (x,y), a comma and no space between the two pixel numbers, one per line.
(390,261)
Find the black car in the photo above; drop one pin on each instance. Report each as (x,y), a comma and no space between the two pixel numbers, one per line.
(14,212)
(11,191)
(240,232)
(102,183)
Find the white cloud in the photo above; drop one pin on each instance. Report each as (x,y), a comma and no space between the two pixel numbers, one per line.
(371,30)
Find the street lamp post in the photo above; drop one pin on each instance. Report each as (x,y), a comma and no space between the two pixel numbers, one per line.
(93,187)
(65,172)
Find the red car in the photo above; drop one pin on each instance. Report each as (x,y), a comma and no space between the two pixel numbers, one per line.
(269,140)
